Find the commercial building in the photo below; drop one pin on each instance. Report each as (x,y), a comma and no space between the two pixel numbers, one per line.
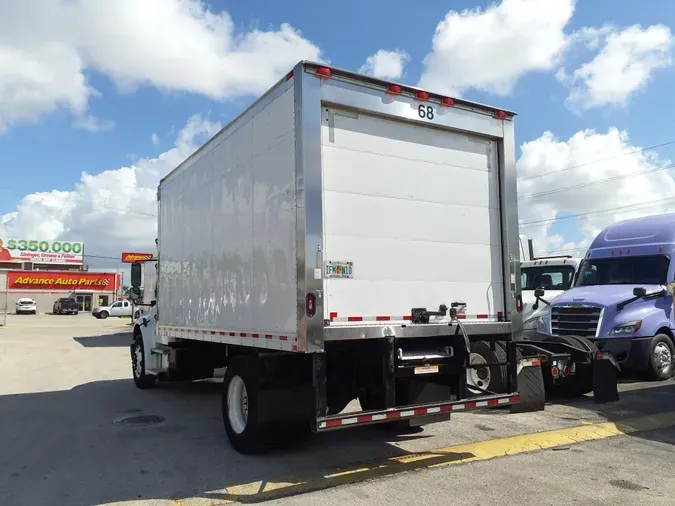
(90,289)
(49,270)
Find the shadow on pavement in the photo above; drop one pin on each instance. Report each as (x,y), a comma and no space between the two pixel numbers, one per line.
(63,447)
(105,340)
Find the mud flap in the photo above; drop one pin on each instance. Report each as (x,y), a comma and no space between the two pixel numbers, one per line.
(605,376)
(530,387)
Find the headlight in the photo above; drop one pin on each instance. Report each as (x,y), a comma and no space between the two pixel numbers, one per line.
(537,323)
(627,328)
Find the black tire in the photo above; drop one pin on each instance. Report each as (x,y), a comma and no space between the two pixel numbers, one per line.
(581,382)
(497,380)
(655,368)
(532,391)
(251,438)
(141,379)
(77,312)
(103,315)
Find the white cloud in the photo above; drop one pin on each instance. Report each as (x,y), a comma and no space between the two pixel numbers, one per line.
(614,180)
(47,48)
(111,211)
(386,64)
(155,139)
(93,124)
(491,49)
(623,66)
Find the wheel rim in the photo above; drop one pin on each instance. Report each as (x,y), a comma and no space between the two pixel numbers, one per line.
(138,360)
(237,404)
(478,379)
(662,357)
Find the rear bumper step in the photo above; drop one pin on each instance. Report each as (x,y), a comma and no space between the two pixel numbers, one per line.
(334,422)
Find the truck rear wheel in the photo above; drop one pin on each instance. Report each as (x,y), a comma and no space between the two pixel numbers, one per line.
(581,382)
(240,406)
(489,378)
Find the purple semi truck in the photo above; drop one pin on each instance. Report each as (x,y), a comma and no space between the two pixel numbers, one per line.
(622,298)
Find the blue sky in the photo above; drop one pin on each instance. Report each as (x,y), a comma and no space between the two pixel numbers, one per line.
(50,154)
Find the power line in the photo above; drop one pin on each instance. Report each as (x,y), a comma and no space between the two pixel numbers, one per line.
(597,161)
(600,212)
(590,183)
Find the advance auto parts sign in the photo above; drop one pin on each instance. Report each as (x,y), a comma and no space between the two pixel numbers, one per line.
(41,252)
(35,280)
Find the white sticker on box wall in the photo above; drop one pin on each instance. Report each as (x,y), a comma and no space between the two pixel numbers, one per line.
(317,272)
(335,269)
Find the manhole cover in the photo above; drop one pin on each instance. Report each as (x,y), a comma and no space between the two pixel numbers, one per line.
(139,420)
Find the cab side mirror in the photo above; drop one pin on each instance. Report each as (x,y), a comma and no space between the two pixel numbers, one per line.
(539,292)
(136,274)
(135,293)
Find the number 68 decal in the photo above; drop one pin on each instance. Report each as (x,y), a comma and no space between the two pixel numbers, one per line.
(425,112)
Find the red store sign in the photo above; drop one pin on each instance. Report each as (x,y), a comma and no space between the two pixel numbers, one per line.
(35,280)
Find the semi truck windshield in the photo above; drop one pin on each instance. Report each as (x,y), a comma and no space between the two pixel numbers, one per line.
(642,270)
(548,277)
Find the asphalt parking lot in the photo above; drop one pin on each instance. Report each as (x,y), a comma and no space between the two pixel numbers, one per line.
(66,396)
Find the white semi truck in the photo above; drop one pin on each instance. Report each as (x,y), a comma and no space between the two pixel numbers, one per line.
(344,238)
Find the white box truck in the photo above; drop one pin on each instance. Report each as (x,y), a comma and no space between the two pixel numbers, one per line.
(344,238)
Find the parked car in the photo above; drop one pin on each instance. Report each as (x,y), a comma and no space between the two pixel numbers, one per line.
(26,305)
(66,305)
(119,308)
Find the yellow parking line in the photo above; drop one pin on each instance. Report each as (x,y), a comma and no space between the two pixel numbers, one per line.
(472,452)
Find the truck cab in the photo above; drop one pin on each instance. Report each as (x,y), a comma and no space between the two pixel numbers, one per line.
(554,275)
(622,296)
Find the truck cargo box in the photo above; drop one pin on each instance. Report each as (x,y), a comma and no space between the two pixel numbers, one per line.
(338,205)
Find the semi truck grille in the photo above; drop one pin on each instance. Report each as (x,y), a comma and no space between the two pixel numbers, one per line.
(575,320)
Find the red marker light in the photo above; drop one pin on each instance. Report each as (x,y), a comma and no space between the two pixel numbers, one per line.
(555,372)
(395,89)
(566,370)
(519,303)
(500,115)
(324,71)
(311,305)
(289,75)
(422,95)
(447,101)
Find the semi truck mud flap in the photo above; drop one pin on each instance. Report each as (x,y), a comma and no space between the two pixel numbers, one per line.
(530,387)
(605,378)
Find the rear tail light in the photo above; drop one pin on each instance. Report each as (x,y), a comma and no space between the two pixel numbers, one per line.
(519,303)
(311,305)
(555,371)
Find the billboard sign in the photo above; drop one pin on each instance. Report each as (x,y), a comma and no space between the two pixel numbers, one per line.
(41,252)
(130,258)
(62,281)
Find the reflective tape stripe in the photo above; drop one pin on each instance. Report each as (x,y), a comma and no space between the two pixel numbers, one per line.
(333,317)
(355,419)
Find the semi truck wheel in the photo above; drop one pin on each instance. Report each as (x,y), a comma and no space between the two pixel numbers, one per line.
(661,353)
(141,379)
(489,378)
(581,382)
(240,406)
